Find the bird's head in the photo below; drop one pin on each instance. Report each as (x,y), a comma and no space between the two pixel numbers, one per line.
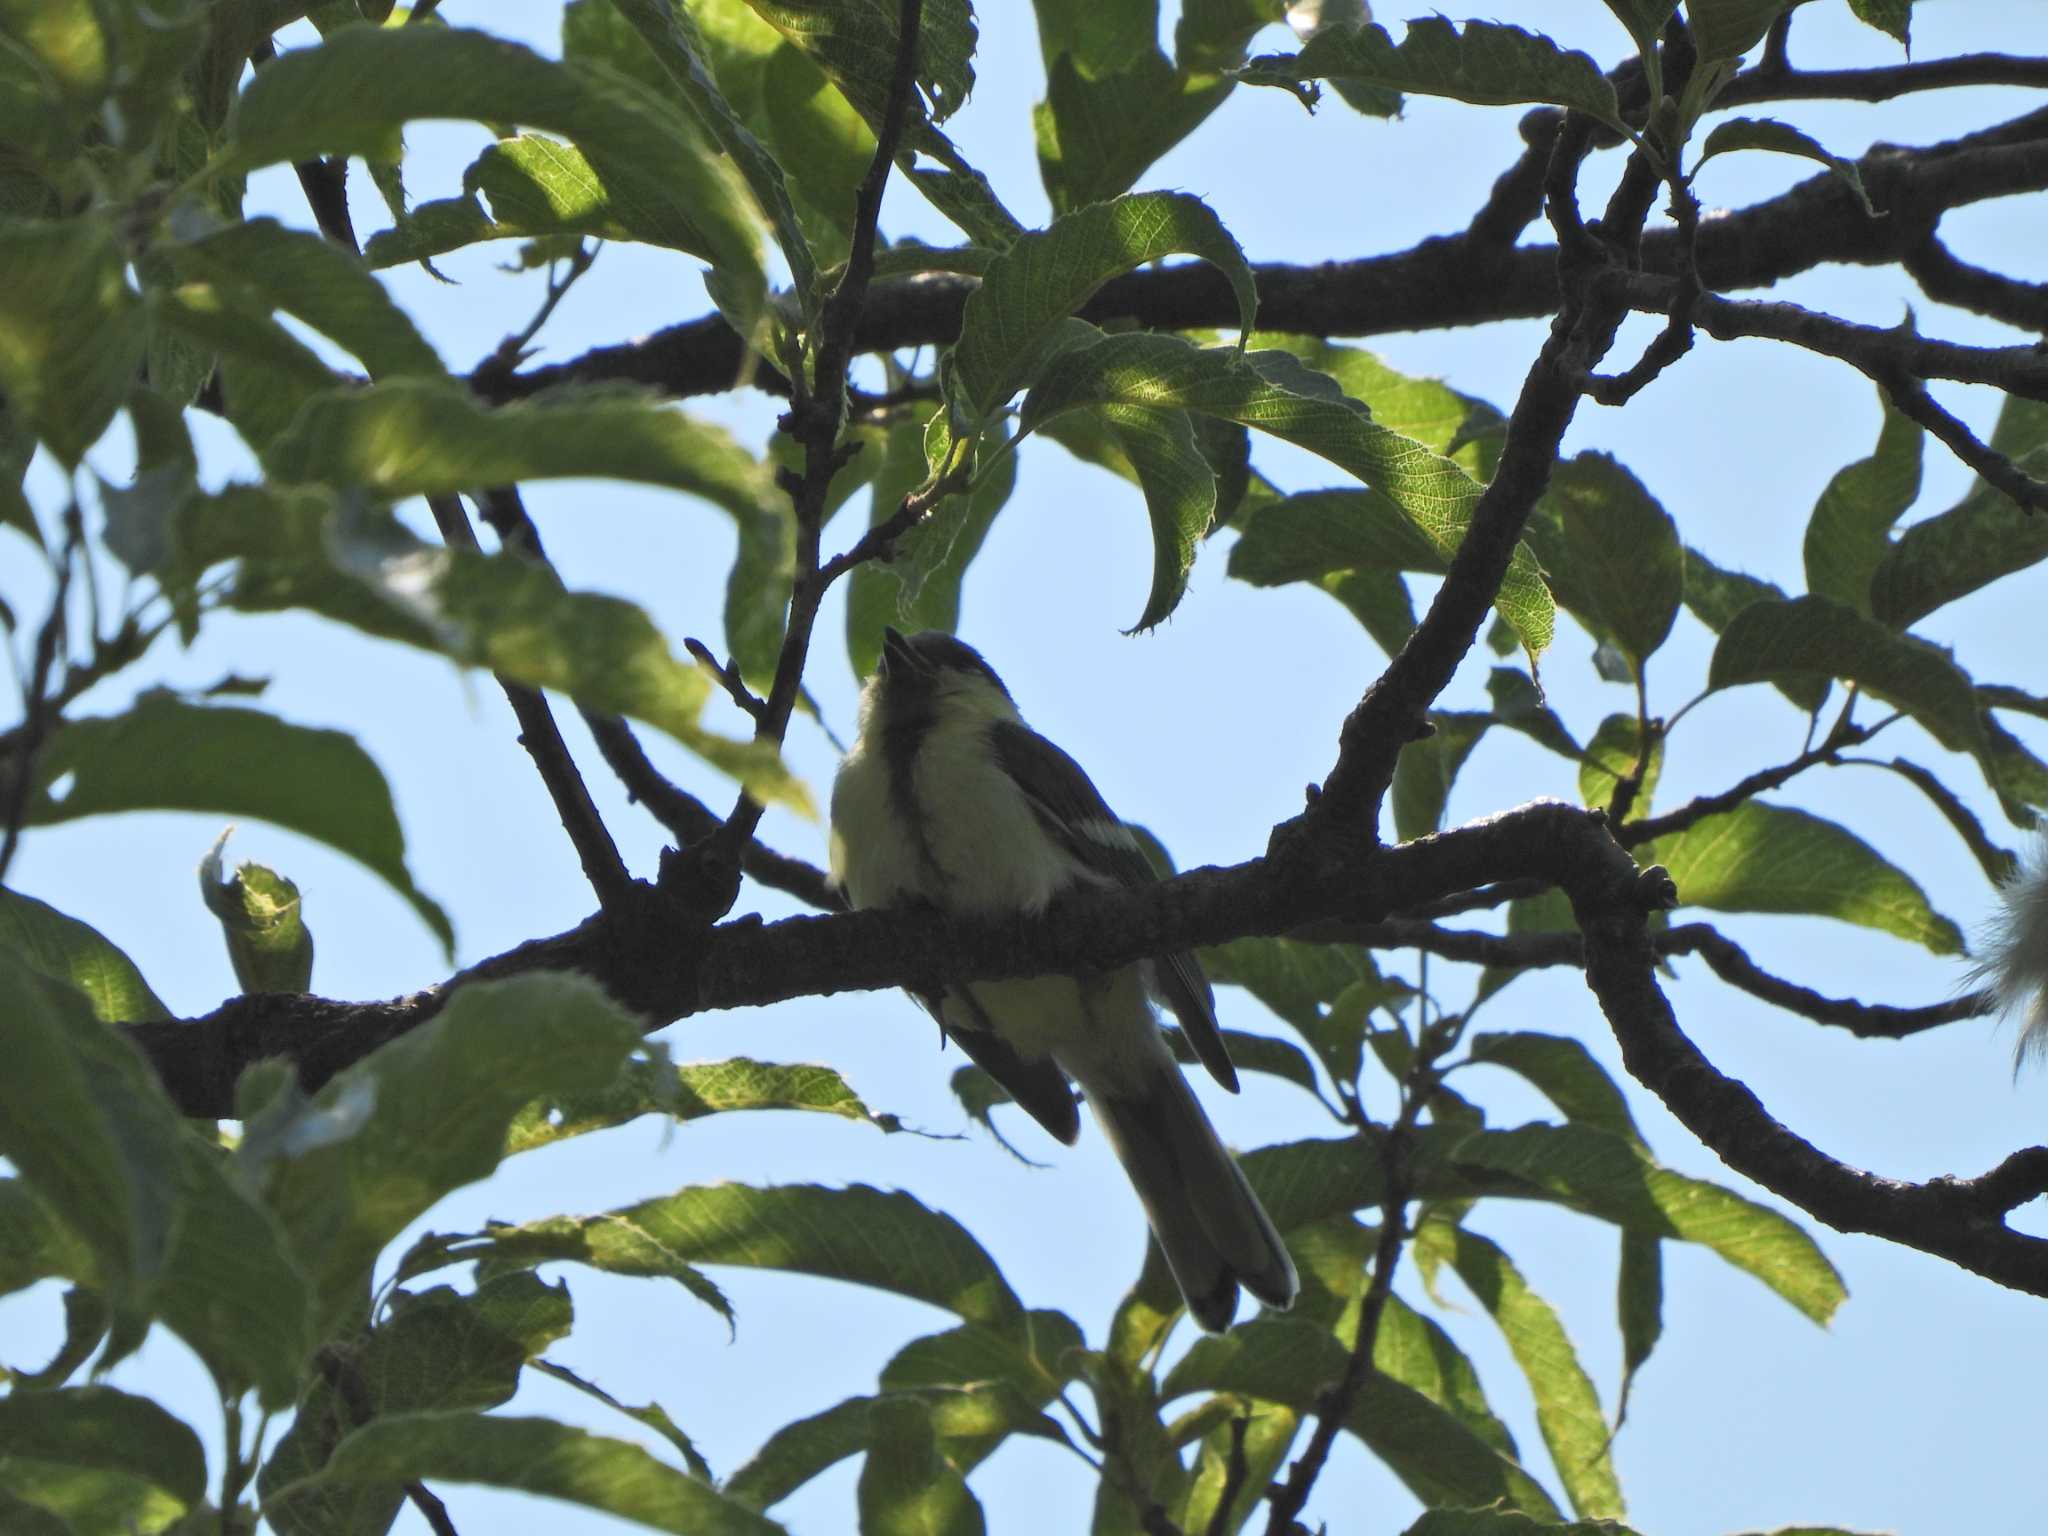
(927,677)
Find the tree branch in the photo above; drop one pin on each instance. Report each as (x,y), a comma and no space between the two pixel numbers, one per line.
(538,733)
(1942,276)
(1453,280)
(816,415)
(1960,1220)
(1885,84)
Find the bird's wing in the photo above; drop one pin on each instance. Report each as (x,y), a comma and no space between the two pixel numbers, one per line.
(1074,814)
(1039,1088)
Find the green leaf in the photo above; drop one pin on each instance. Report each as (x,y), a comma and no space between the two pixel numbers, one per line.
(1567,1405)
(420,439)
(71,330)
(1893,17)
(1180,497)
(866,1236)
(907,1487)
(167,1230)
(1273,392)
(1463,428)
(353,93)
(690,1091)
(1486,64)
(1782,138)
(1323,991)
(1614,754)
(514,616)
(1110,113)
(653,1416)
(671,32)
(425,1114)
(1563,1071)
(100,1429)
(265,371)
(1013,320)
(437,1352)
(34,1244)
(1716,596)
(67,950)
(854,43)
(1848,535)
(45,1499)
(1639,1304)
(1269,1434)
(535,1456)
(1725,29)
(1768,858)
(168,755)
(1815,638)
(1609,1176)
(1984,536)
(1518,705)
(1426,770)
(105,1167)
(268,942)
(1611,554)
(316,281)
(1352,544)
(1431,1451)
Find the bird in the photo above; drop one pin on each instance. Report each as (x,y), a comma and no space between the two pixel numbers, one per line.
(948,801)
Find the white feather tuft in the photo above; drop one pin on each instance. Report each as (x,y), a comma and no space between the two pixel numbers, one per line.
(2015,960)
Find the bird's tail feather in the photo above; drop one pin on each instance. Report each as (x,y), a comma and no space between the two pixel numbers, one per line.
(1209,1224)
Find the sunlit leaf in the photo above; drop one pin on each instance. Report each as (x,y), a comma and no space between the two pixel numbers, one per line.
(907,1488)
(352,94)
(103,1430)
(690,1091)
(1567,1405)
(535,1456)
(1610,553)
(1012,319)
(71,329)
(1293,1363)
(67,950)
(1273,392)
(1486,64)
(425,1114)
(1723,29)
(1616,753)
(1768,858)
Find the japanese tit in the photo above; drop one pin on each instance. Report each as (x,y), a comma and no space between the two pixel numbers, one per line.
(949,799)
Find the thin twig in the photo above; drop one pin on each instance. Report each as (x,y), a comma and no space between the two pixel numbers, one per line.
(1335,1406)
(542,738)
(1633,834)
(686,817)
(512,351)
(729,679)
(1880,352)
(815,417)
(1910,395)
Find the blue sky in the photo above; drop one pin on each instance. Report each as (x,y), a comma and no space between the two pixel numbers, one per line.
(1915,1412)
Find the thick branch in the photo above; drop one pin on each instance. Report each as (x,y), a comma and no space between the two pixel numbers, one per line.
(1961,1220)
(1884,84)
(1464,279)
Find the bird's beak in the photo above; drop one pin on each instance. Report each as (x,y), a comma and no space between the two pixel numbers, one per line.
(896,653)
